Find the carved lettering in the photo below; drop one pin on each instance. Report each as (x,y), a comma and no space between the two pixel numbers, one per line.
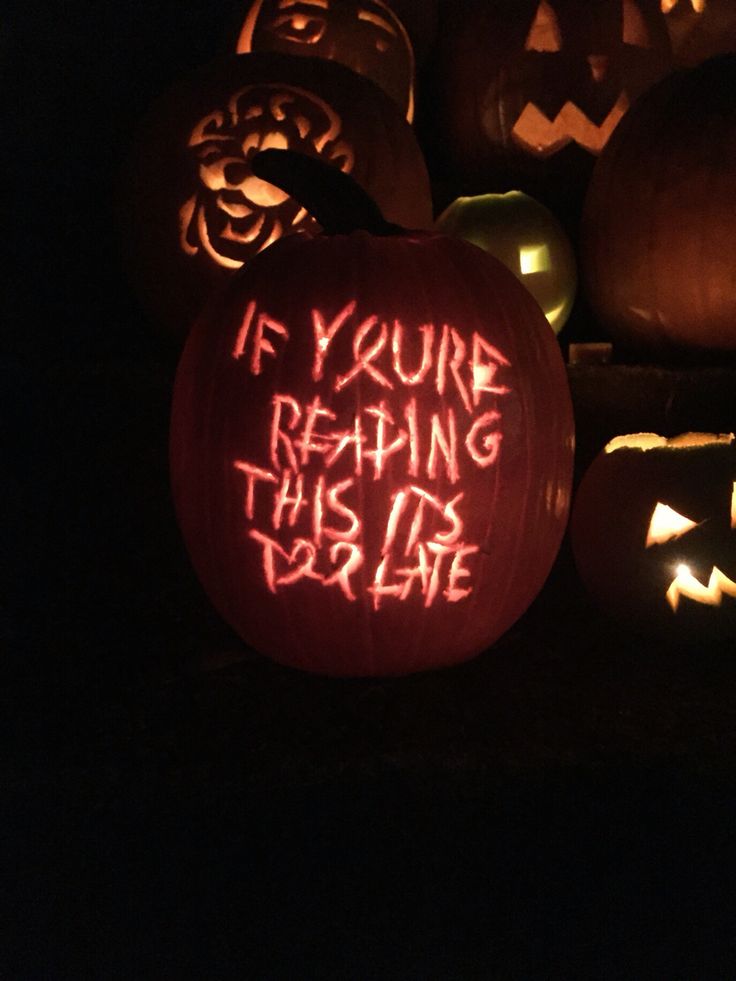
(308,492)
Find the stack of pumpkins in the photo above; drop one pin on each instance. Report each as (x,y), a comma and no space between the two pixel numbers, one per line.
(372,432)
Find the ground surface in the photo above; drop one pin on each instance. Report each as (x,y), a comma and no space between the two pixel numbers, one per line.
(176,806)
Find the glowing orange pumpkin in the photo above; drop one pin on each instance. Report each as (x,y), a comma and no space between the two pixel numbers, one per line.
(528,93)
(194,213)
(653,532)
(371,443)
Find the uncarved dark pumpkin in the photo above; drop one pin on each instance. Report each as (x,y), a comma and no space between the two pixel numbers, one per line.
(657,253)
(371,451)
(192,212)
(653,533)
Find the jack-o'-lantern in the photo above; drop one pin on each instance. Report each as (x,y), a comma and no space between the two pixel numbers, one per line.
(192,211)
(657,254)
(529,91)
(700,29)
(528,240)
(365,35)
(371,442)
(653,532)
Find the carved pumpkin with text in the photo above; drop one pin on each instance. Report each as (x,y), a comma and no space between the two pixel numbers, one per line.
(193,213)
(654,532)
(529,91)
(371,446)
(657,255)
(528,240)
(365,35)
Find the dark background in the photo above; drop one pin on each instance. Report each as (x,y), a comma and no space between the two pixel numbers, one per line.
(175,806)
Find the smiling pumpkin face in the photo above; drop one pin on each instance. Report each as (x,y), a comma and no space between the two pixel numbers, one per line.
(531,90)
(654,532)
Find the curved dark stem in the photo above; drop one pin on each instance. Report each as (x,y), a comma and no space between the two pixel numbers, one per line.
(331,197)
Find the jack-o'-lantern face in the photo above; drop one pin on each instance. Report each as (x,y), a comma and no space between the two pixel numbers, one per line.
(667,525)
(529,91)
(654,531)
(233,214)
(574,76)
(700,29)
(365,35)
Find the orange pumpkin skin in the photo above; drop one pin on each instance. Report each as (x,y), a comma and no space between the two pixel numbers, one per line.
(352,503)
(657,250)
(653,533)
(528,91)
(190,210)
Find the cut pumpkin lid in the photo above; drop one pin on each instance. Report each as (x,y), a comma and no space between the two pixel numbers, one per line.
(652,441)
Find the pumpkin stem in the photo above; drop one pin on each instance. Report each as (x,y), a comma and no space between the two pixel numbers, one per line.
(332,198)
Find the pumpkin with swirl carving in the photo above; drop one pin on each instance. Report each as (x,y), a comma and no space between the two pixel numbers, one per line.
(191,210)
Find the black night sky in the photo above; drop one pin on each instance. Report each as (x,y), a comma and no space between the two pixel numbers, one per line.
(174,805)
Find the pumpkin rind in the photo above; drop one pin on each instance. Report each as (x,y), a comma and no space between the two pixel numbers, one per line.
(657,253)
(498,525)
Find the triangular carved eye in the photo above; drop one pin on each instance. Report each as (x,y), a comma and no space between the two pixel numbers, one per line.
(667,5)
(667,524)
(635,30)
(544,34)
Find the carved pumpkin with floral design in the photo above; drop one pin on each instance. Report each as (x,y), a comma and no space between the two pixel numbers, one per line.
(192,211)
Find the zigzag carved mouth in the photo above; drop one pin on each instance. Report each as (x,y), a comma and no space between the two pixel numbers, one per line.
(543,137)
(710,594)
